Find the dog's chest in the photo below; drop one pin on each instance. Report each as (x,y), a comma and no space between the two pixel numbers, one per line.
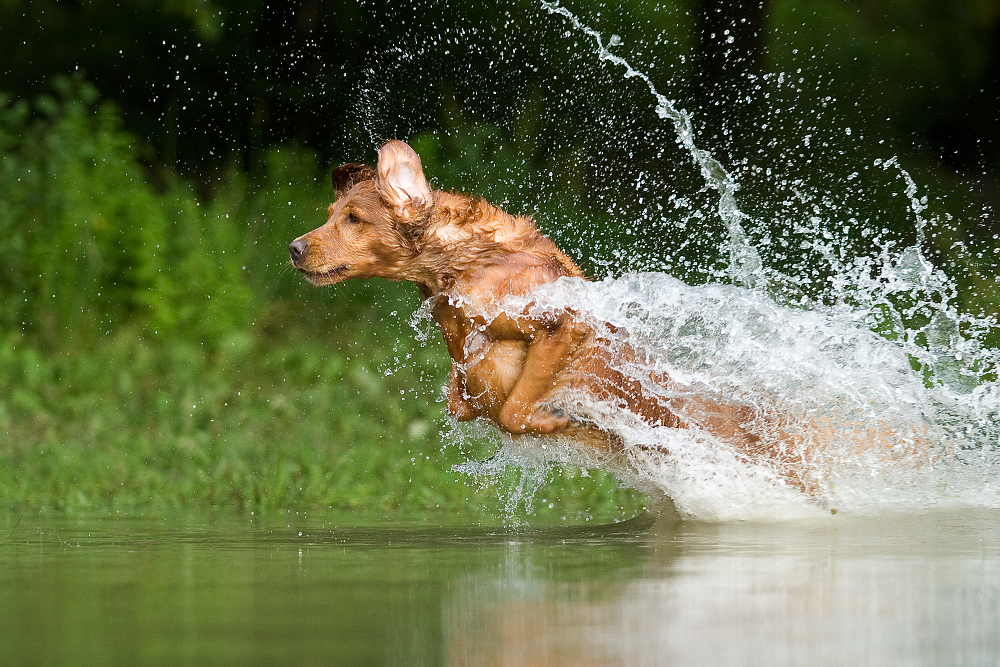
(491,366)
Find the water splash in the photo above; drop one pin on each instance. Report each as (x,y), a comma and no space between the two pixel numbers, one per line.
(745,266)
(917,205)
(530,458)
(907,417)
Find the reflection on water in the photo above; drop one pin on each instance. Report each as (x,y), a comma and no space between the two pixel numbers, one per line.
(904,589)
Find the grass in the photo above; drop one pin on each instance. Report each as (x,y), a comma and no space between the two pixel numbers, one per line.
(283,413)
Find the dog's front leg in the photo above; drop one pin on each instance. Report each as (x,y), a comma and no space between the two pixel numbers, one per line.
(550,349)
(459,406)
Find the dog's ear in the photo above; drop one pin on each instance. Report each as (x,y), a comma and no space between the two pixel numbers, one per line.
(401,182)
(347,176)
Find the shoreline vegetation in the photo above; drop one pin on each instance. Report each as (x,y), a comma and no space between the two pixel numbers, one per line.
(156,350)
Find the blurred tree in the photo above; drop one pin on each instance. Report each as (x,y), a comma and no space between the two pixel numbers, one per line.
(204,82)
(917,73)
(200,81)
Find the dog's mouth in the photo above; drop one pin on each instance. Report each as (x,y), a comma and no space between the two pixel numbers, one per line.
(325,277)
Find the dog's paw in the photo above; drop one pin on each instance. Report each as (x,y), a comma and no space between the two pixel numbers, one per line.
(542,421)
(549,420)
(459,406)
(461,410)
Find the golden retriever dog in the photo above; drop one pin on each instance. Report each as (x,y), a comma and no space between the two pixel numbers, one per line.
(467,256)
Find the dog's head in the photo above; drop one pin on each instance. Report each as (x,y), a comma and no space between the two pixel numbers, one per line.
(373,226)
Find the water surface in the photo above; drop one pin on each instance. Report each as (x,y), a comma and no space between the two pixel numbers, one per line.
(919,589)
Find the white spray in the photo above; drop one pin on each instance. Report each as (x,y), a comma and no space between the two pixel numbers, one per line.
(907,419)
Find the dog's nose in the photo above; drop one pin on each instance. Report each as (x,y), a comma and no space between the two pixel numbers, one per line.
(297,248)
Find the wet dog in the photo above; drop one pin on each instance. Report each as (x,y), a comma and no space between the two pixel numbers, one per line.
(468,256)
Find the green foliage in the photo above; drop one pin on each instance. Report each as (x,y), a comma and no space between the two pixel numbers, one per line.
(89,242)
(156,349)
(262,422)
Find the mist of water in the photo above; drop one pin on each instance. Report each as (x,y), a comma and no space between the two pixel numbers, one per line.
(904,418)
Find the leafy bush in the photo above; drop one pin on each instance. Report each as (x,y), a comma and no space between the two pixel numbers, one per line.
(88,242)
(156,348)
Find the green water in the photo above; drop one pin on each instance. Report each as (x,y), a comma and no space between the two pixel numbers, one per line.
(299,589)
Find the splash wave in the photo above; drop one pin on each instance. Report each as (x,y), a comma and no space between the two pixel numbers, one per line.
(889,390)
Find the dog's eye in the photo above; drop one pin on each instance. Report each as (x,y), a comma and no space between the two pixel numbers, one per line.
(352,219)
